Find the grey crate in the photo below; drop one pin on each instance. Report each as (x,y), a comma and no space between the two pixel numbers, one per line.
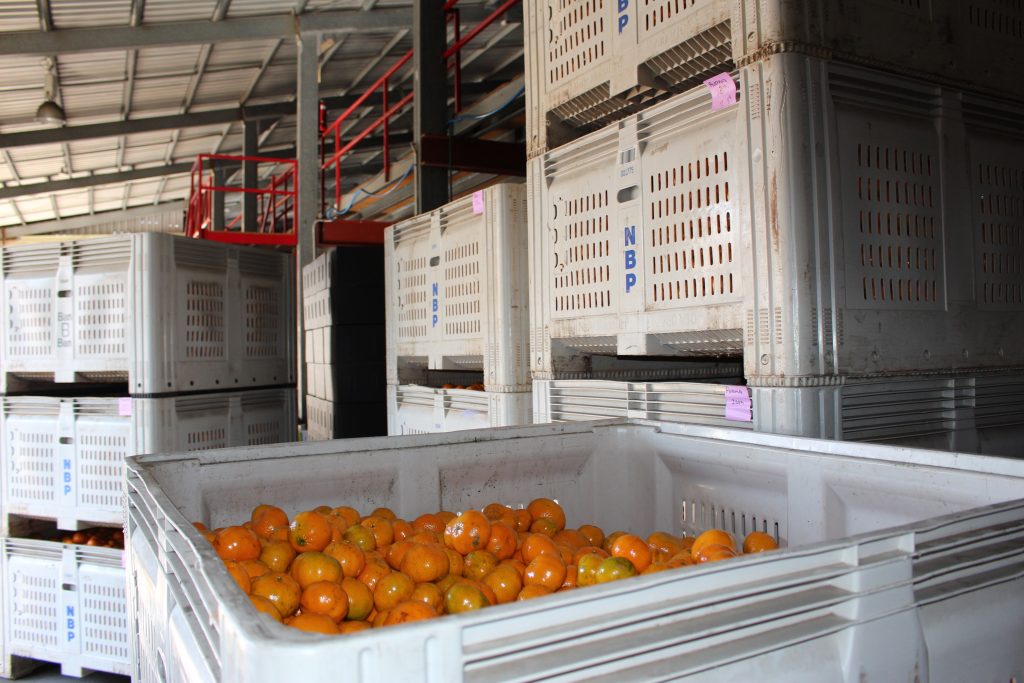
(162,313)
(837,221)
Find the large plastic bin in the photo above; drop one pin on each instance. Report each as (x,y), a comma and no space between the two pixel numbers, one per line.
(888,554)
(975,413)
(63,458)
(828,224)
(66,604)
(163,313)
(344,286)
(414,409)
(457,290)
(590,61)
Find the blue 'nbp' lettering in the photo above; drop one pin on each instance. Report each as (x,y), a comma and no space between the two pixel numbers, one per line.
(67,477)
(623,17)
(434,306)
(630,238)
(70,611)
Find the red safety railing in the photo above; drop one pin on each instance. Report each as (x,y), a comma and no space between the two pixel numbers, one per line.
(333,131)
(276,203)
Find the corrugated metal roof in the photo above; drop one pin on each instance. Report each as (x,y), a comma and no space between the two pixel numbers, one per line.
(77,14)
(19,15)
(158,11)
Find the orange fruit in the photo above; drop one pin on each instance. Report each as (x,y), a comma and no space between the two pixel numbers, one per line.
(209,536)
(360,598)
(681,559)
(447,582)
(428,522)
(759,542)
(545,526)
(372,573)
(397,551)
(593,534)
(239,574)
(426,538)
(410,610)
(464,597)
(403,529)
(349,514)
(429,594)
(277,555)
(586,569)
(325,597)
(588,550)
(538,544)
(309,531)
(714,553)
(383,532)
(323,509)
(712,537)
(479,564)
(634,549)
(664,546)
(384,513)
(503,541)
(425,563)
(312,567)
(346,627)
(523,520)
(609,539)
(468,532)
(281,590)
(350,557)
(254,568)
(236,543)
(572,538)
(545,570)
(338,527)
(378,618)
(456,564)
(263,605)
(506,583)
(570,578)
(545,508)
(534,591)
(655,567)
(445,516)
(392,589)
(314,623)
(360,536)
(613,569)
(566,553)
(200,526)
(266,519)
(518,565)
(495,511)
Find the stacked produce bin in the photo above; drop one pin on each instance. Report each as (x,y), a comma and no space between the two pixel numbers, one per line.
(343,325)
(113,347)
(850,231)
(457,315)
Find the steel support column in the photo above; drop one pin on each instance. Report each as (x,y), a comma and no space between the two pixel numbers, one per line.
(250,148)
(430,98)
(219,178)
(307,147)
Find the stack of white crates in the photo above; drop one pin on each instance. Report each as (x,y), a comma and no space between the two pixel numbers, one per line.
(852,232)
(457,315)
(343,325)
(113,347)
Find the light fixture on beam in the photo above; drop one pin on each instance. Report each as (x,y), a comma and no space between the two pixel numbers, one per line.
(49,112)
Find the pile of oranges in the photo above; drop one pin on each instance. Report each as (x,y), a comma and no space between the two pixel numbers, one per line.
(332,570)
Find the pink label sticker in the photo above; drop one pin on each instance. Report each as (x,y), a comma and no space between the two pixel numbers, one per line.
(478,201)
(124,560)
(723,91)
(738,407)
(124,406)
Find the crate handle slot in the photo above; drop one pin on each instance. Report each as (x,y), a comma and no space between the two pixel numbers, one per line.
(628,194)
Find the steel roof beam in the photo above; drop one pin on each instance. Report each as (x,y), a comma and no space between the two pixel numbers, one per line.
(89,220)
(265,27)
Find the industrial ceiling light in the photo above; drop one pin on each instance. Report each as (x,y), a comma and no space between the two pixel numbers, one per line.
(49,112)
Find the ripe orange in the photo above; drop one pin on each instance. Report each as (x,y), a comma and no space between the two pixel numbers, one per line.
(759,542)
(277,555)
(655,567)
(613,569)
(254,568)
(545,570)
(360,536)
(373,572)
(506,583)
(503,541)
(496,511)
(349,514)
(383,532)
(456,564)
(586,569)
(325,597)
(314,623)
(360,598)
(236,543)
(410,610)
(263,605)
(379,618)
(538,544)
(429,594)
(392,589)
(311,567)
(534,591)
(544,526)
(468,532)
(634,549)
(427,538)
(714,553)
(397,551)
(445,516)
(545,508)
(681,559)
(609,539)
(280,589)
(309,531)
(518,565)
(350,557)
(523,520)
(588,550)
(664,546)
(712,537)
(593,534)
(266,519)
(239,574)
(479,564)
(403,529)
(572,538)
(384,513)
(347,627)
(428,522)
(425,563)
(464,597)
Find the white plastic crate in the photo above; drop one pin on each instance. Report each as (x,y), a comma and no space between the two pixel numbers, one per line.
(414,409)
(825,225)
(971,413)
(162,313)
(591,61)
(63,458)
(457,290)
(344,286)
(888,553)
(66,604)
(336,420)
